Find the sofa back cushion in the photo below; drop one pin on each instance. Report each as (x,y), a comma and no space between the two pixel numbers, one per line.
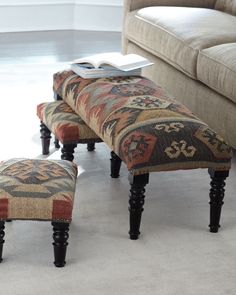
(228,6)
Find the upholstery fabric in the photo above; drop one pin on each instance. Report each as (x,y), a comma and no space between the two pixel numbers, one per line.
(37,189)
(216,110)
(228,6)
(217,68)
(60,79)
(67,126)
(136,4)
(144,125)
(176,34)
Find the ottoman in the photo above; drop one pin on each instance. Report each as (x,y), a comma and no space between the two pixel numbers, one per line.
(39,190)
(149,131)
(57,117)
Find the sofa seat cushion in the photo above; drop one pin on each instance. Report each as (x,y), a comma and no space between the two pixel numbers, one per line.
(176,34)
(217,68)
(228,6)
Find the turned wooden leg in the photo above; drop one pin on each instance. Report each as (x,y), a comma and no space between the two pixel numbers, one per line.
(216,197)
(2,234)
(136,202)
(91,146)
(67,152)
(60,237)
(56,143)
(45,137)
(115,165)
(57,97)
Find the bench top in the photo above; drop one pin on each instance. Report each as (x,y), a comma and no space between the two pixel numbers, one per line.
(143,124)
(37,189)
(64,123)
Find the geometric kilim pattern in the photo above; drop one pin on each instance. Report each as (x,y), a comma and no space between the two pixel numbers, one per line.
(37,189)
(142,124)
(65,124)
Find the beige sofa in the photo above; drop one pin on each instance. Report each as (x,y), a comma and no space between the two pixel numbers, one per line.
(193,46)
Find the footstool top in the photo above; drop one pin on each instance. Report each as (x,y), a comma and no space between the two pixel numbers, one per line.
(64,123)
(143,124)
(37,189)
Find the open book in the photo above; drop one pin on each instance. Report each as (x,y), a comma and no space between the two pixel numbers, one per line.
(87,71)
(109,64)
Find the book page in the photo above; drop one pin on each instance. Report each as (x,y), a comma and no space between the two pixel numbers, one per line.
(97,59)
(116,59)
(87,71)
(126,62)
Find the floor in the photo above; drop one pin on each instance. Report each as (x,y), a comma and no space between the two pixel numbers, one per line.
(175,255)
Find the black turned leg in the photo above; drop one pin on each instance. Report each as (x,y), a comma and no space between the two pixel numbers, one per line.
(56,143)
(57,97)
(136,202)
(45,137)
(115,165)
(60,237)
(2,234)
(67,152)
(216,197)
(91,146)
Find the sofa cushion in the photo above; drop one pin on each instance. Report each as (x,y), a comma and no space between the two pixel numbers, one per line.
(228,6)
(176,34)
(217,68)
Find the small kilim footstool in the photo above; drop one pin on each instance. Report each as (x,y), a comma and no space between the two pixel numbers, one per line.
(39,190)
(57,117)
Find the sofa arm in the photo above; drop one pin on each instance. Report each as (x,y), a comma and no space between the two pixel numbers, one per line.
(130,5)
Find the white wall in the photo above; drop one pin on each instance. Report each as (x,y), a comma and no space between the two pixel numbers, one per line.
(37,15)
(98,15)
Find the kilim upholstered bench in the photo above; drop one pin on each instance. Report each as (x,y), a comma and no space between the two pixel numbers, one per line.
(57,117)
(39,190)
(149,131)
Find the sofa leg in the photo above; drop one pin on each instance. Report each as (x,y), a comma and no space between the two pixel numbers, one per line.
(115,165)
(45,137)
(136,202)
(67,152)
(216,197)
(91,146)
(2,234)
(60,237)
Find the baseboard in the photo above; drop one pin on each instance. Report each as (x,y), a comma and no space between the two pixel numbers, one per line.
(102,17)
(40,15)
